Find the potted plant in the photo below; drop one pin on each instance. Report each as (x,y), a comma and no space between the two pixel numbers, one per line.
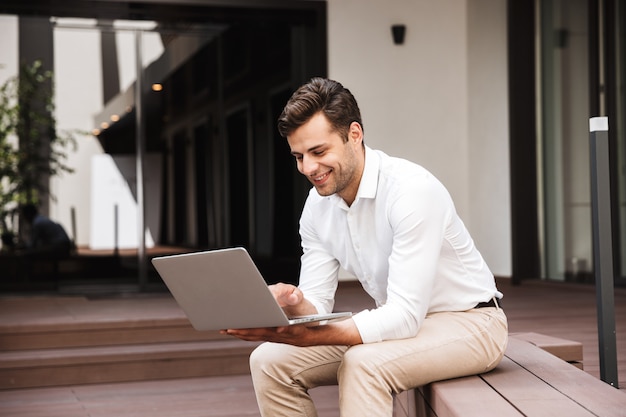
(31,148)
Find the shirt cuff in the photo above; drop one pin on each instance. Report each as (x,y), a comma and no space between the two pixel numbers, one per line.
(319,306)
(366,327)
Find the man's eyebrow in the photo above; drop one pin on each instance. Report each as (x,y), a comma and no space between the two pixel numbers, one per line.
(314,148)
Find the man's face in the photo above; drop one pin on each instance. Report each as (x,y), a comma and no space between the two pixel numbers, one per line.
(329,163)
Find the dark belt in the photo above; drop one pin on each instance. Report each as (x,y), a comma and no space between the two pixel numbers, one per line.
(490,303)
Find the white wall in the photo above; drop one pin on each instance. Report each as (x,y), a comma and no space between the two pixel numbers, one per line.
(114,206)
(8,58)
(78,96)
(9,66)
(489,170)
(8,54)
(433,99)
(413,96)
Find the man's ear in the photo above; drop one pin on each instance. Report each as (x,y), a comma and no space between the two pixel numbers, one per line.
(355,134)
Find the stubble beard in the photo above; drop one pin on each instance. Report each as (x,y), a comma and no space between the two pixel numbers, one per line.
(340,181)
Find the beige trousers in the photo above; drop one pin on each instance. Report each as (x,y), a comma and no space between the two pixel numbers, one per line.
(449,345)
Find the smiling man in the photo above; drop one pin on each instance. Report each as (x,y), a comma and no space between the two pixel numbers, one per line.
(393,225)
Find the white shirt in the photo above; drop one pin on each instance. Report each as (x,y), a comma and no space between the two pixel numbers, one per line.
(402,239)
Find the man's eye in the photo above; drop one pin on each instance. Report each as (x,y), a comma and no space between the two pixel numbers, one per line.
(298,157)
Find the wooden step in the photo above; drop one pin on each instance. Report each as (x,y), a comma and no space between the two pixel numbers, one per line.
(83,341)
(60,322)
(567,350)
(120,363)
(104,333)
(64,340)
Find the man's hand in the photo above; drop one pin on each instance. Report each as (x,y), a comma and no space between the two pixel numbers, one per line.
(291,299)
(286,294)
(340,333)
(293,335)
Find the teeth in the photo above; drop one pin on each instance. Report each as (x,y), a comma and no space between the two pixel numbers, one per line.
(320,177)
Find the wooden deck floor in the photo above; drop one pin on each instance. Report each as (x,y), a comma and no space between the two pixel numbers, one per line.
(562,310)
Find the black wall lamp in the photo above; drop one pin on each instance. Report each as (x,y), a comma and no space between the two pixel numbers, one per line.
(398,32)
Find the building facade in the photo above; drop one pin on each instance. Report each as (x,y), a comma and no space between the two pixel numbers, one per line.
(493,97)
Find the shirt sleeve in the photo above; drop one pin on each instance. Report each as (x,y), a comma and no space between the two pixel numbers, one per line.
(417,212)
(319,269)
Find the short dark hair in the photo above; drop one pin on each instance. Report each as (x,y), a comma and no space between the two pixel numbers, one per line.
(320,95)
(29,210)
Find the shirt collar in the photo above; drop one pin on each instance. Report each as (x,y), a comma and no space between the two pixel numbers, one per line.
(369,180)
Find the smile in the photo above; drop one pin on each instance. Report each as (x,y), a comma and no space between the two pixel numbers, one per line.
(321,178)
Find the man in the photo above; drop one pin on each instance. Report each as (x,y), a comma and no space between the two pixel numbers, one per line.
(48,239)
(394,226)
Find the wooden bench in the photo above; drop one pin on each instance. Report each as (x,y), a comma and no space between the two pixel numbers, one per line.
(539,376)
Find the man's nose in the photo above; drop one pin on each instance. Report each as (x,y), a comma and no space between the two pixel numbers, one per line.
(309,166)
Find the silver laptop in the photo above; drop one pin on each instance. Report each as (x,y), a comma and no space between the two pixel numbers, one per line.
(223,289)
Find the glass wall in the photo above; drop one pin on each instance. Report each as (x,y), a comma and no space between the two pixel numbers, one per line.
(95,65)
(564,117)
(581,68)
(619,124)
